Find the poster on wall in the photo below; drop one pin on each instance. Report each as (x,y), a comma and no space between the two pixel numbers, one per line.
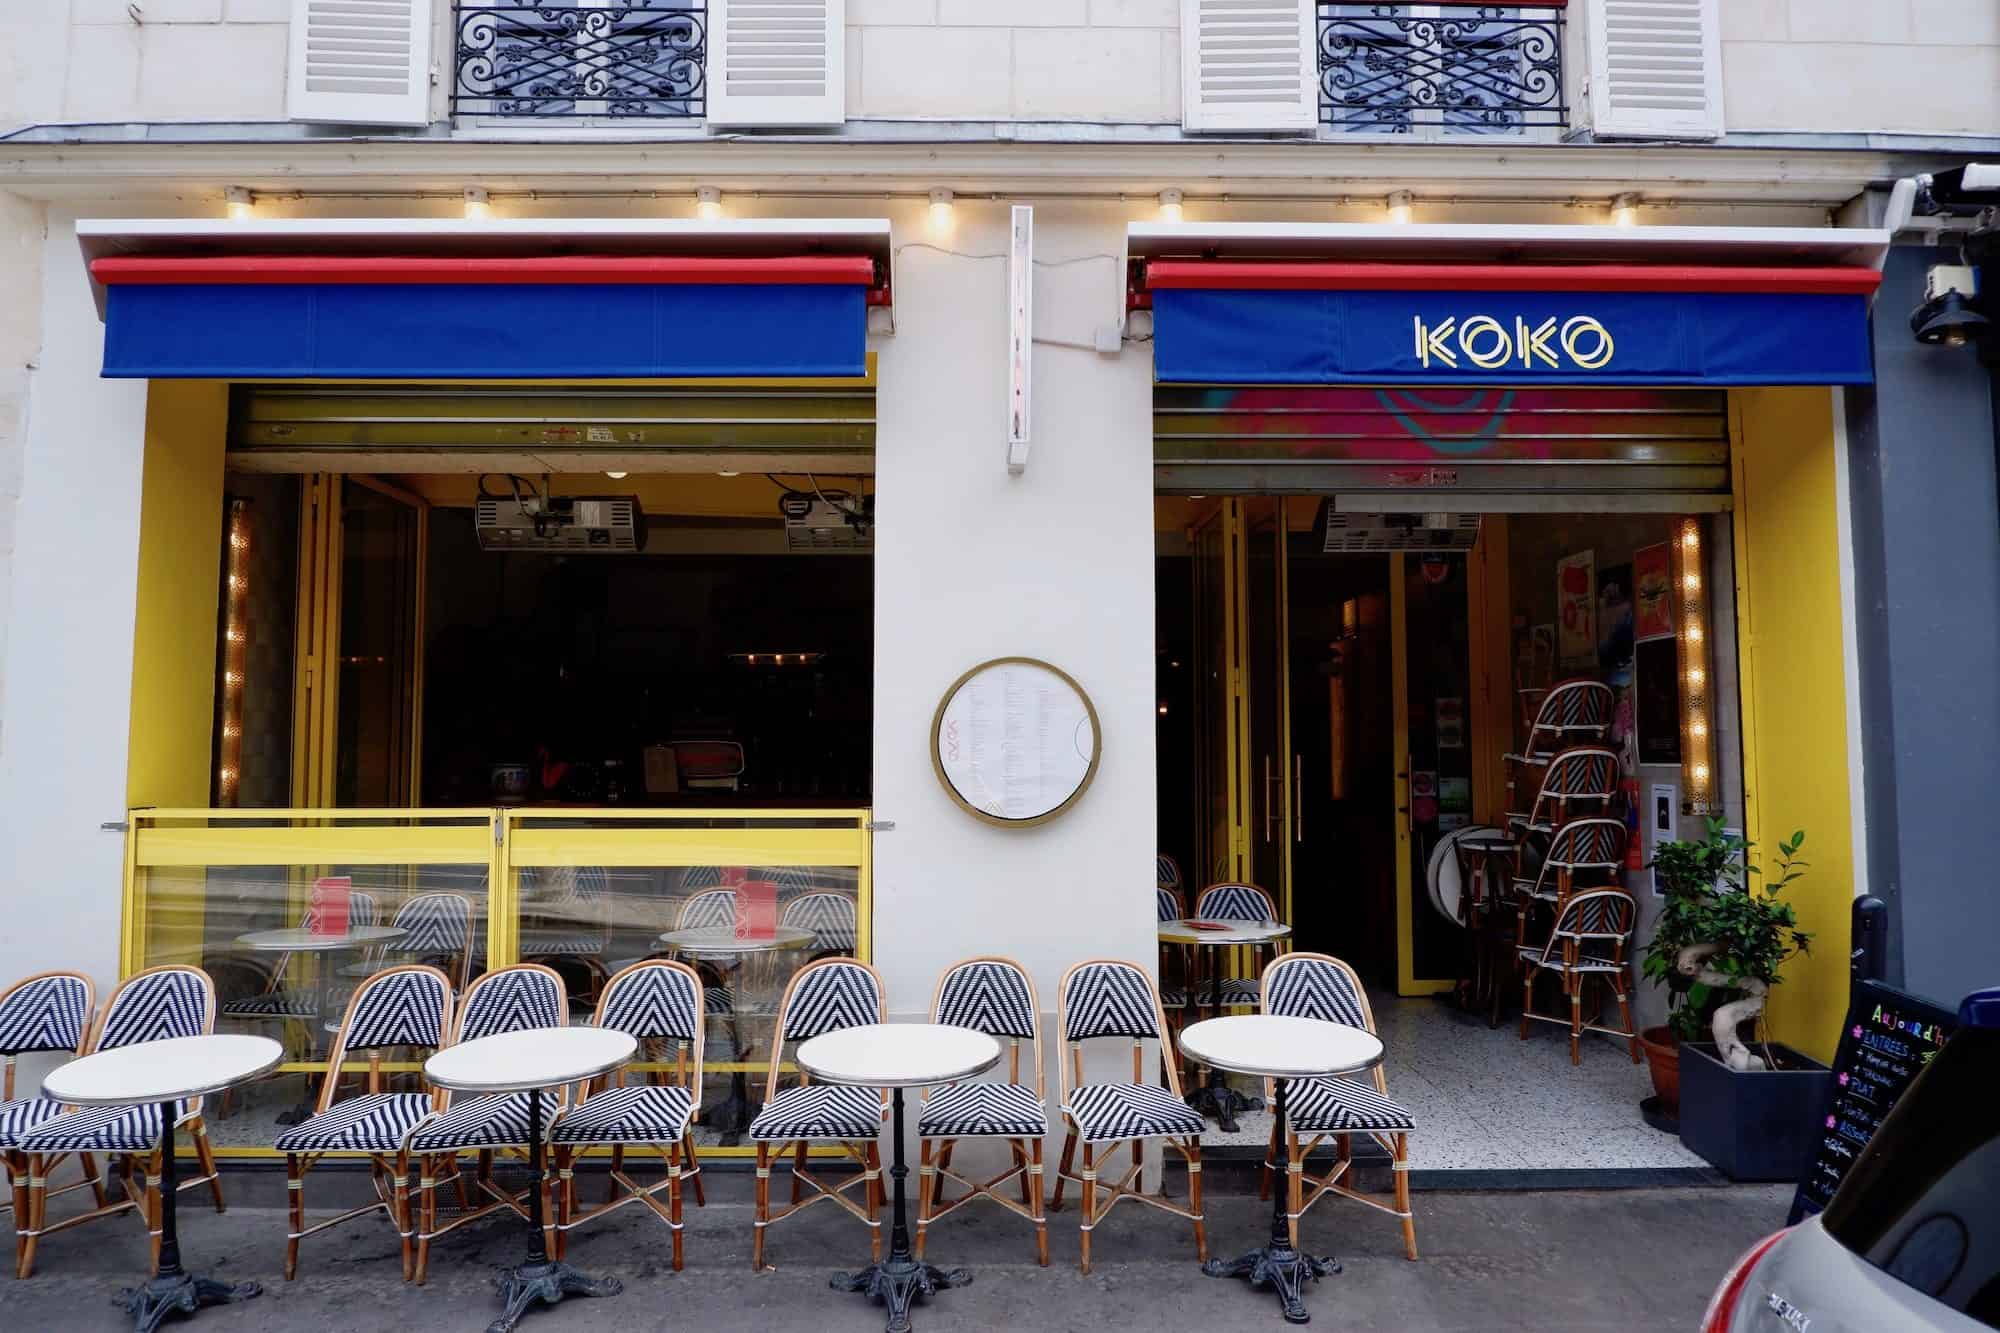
(1652,593)
(1658,703)
(1660,827)
(1576,609)
(1614,621)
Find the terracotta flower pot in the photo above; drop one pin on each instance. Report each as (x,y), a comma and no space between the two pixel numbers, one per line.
(1663,1061)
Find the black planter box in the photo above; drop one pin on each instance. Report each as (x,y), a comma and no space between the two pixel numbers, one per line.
(1761,1124)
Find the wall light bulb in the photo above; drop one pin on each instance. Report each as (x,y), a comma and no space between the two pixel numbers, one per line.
(1697,729)
(941,211)
(708,203)
(1400,207)
(1701,772)
(1690,539)
(617,476)
(1694,634)
(1695,676)
(1170,211)
(1691,581)
(238,203)
(478,207)
(1625,210)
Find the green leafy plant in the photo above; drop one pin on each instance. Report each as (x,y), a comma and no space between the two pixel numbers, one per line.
(1722,940)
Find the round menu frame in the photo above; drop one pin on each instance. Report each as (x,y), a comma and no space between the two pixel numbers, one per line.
(1089,773)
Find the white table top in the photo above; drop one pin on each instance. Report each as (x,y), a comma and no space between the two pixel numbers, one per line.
(530,1058)
(294,940)
(711,941)
(898,1055)
(161,1071)
(1239,932)
(1279,1047)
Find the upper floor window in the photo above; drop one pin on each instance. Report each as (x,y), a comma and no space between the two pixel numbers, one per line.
(580,59)
(1440,69)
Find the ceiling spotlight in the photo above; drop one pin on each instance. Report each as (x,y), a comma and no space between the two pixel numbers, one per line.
(728,472)
(1625,210)
(941,210)
(238,203)
(617,476)
(708,203)
(1399,207)
(1170,206)
(478,207)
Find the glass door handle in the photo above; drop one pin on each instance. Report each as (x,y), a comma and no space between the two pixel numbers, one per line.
(1269,806)
(1298,798)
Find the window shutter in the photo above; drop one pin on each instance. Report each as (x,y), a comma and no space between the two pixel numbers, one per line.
(777,62)
(364,62)
(1656,69)
(1249,65)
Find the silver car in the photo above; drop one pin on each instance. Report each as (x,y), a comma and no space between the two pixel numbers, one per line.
(1912,1237)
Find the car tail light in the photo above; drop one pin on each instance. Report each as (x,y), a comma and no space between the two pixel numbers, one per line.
(1723,1304)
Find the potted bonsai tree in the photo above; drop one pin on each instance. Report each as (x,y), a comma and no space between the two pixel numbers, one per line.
(1720,945)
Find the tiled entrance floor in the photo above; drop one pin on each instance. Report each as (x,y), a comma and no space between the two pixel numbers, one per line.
(1486,1100)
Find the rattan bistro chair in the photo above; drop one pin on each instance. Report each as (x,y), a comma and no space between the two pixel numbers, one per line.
(1233,902)
(826,995)
(1588,942)
(997,997)
(1583,854)
(438,931)
(507,999)
(1572,712)
(1313,985)
(49,1011)
(829,916)
(1108,998)
(657,1002)
(279,1002)
(1579,781)
(153,1005)
(398,1006)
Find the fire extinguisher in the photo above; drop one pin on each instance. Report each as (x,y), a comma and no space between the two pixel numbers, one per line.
(1635,856)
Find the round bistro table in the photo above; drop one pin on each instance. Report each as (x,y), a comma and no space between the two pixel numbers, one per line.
(528,1061)
(1280,1049)
(302,940)
(898,1056)
(731,1117)
(1487,860)
(1215,1097)
(167,1072)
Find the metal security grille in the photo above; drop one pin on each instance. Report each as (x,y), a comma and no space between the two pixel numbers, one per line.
(1458,449)
(1444,68)
(617,59)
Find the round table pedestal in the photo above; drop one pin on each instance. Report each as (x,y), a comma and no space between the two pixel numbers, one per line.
(1279,1266)
(541,1279)
(174,1289)
(901,1278)
(1215,1097)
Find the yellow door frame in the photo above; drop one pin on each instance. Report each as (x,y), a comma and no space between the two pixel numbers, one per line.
(1407,980)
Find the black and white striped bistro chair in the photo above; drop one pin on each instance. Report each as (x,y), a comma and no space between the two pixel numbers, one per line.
(1107,998)
(829,916)
(1577,782)
(507,999)
(1572,712)
(826,995)
(1586,853)
(1234,902)
(437,930)
(712,909)
(406,1006)
(279,1001)
(658,1002)
(1167,872)
(1588,942)
(997,997)
(49,1011)
(1174,969)
(1313,985)
(573,904)
(153,1005)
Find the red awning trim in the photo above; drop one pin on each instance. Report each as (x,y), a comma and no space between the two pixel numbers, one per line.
(1275,275)
(579,270)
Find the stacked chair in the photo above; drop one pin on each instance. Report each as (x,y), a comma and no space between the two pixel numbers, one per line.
(49,1011)
(1587,942)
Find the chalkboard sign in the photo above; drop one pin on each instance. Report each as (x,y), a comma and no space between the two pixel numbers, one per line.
(1889,1037)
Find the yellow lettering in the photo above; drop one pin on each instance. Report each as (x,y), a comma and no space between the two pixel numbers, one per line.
(1577,327)
(1431,342)
(1536,343)
(1480,326)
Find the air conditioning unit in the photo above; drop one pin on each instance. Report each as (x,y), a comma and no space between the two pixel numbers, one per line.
(813,524)
(1352,533)
(563,525)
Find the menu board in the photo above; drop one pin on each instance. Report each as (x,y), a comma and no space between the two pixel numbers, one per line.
(1889,1038)
(1015,741)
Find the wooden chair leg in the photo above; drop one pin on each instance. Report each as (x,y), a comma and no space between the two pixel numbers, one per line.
(1625,1021)
(674,1181)
(88,1162)
(1295,1167)
(763,1220)
(401,1193)
(204,1152)
(1527,997)
(153,1212)
(1089,1200)
(1035,1202)
(427,1169)
(1401,1171)
(1194,1201)
(550,1189)
(694,1170)
(458,1179)
(295,1204)
(611,1176)
(1062,1171)
(874,1192)
(1019,1152)
(798,1166)
(28,1219)
(1573,983)
(1270,1156)
(926,1189)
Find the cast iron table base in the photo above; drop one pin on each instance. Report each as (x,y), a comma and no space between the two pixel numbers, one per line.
(1278,1266)
(175,1289)
(901,1278)
(1215,1097)
(541,1279)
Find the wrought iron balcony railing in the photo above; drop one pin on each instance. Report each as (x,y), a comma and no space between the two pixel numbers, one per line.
(1442,68)
(578,59)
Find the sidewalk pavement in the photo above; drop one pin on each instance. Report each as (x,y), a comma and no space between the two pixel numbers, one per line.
(1547,1261)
